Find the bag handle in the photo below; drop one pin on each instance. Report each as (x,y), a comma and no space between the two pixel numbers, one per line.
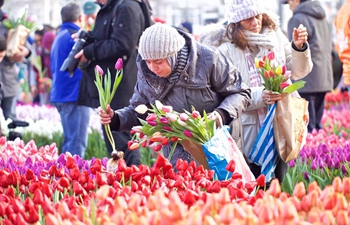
(217,115)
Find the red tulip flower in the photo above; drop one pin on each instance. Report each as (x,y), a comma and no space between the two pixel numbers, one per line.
(231,166)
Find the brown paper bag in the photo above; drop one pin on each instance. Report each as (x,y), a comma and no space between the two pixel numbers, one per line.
(290,126)
(15,38)
(196,151)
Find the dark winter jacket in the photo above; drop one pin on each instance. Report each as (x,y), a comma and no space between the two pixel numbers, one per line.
(208,82)
(113,40)
(313,17)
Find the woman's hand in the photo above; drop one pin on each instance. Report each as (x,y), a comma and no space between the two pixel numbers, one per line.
(270,97)
(217,117)
(299,36)
(18,57)
(106,116)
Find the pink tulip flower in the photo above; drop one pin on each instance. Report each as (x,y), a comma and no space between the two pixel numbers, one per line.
(271,56)
(172,117)
(167,128)
(188,133)
(151,117)
(99,70)
(119,64)
(283,85)
(163,120)
(184,117)
(284,69)
(152,123)
(167,108)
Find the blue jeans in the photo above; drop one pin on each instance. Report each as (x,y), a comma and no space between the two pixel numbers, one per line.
(75,121)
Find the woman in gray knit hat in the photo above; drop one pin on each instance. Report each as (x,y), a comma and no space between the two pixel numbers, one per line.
(178,71)
(251,33)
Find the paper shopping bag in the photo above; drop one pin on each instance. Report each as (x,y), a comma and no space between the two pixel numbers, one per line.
(290,126)
(16,37)
(196,151)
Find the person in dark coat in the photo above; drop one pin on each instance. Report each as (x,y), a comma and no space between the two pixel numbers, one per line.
(118,27)
(320,80)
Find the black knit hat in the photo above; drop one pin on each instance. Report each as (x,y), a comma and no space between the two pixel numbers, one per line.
(1,2)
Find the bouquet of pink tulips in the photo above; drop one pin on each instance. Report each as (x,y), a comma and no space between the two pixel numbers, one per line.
(210,147)
(165,123)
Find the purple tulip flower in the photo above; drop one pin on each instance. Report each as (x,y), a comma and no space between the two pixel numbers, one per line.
(313,165)
(292,164)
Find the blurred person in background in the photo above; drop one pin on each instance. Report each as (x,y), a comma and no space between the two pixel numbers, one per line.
(187,25)
(320,80)
(65,88)
(90,10)
(9,73)
(342,29)
(38,51)
(3,44)
(44,82)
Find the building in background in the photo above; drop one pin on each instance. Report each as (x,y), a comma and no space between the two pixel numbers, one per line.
(46,11)
(174,12)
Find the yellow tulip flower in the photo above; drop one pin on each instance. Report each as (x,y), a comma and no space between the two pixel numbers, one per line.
(279,70)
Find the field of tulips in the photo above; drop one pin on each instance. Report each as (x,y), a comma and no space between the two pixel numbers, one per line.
(38,185)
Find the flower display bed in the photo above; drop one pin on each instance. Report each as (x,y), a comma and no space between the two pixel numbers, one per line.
(38,185)
(62,189)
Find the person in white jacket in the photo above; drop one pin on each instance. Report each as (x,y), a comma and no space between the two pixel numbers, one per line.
(252,32)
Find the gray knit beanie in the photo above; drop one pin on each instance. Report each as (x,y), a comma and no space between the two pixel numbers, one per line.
(160,41)
(238,10)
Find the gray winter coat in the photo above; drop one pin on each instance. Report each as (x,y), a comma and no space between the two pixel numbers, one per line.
(208,82)
(313,17)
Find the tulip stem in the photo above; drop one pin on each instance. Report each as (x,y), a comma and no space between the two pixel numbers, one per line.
(110,136)
(172,151)
(228,173)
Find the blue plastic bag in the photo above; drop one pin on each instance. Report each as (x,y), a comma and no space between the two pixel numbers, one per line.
(220,150)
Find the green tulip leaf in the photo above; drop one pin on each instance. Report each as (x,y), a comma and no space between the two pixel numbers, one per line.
(295,86)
